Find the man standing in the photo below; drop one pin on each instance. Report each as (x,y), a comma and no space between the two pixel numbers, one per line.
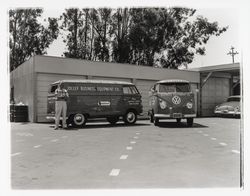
(61,95)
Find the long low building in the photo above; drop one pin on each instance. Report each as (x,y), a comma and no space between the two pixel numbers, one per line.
(30,81)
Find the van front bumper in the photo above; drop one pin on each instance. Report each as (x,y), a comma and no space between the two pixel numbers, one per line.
(172,116)
(53,118)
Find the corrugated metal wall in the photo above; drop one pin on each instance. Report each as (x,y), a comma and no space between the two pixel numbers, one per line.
(214,92)
(22,82)
(144,87)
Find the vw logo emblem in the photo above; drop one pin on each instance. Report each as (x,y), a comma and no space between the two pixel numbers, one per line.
(176,100)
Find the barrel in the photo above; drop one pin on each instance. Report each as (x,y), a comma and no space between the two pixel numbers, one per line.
(18,113)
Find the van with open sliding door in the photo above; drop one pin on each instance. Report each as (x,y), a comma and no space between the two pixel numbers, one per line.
(97,99)
(172,99)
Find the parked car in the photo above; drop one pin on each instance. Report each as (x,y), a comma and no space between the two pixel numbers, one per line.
(172,99)
(229,108)
(97,99)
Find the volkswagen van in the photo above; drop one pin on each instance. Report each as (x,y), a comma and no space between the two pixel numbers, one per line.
(172,99)
(97,99)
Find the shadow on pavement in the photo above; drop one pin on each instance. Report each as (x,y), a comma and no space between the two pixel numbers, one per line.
(179,125)
(102,125)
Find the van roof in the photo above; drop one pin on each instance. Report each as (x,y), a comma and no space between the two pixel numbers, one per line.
(93,81)
(173,81)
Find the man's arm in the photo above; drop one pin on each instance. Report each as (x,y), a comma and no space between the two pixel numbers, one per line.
(66,93)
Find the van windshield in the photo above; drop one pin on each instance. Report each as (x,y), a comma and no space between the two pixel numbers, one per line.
(174,87)
(52,89)
(232,99)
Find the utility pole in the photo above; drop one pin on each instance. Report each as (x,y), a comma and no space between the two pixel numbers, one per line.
(232,53)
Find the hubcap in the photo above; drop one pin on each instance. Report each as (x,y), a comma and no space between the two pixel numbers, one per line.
(130,117)
(78,119)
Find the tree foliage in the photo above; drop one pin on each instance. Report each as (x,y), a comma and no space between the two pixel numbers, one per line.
(164,37)
(120,27)
(27,36)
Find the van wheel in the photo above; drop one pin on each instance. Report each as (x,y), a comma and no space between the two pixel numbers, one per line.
(151,118)
(178,120)
(190,122)
(156,121)
(113,120)
(130,117)
(78,120)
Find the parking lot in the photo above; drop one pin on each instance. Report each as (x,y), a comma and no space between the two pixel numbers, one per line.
(99,155)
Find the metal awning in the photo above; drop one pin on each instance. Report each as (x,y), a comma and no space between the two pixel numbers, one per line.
(233,69)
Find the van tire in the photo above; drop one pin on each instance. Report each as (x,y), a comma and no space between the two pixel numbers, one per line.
(113,120)
(130,117)
(78,120)
(190,122)
(156,121)
(151,118)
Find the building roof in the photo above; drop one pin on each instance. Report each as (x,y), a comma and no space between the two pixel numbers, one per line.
(79,67)
(232,67)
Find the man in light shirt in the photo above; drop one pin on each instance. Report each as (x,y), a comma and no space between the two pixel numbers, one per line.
(61,95)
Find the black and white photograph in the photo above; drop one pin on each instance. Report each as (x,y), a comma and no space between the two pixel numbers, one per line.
(139,96)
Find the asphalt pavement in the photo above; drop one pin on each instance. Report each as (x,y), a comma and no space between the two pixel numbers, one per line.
(101,156)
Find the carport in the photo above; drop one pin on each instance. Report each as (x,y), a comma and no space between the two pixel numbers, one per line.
(216,84)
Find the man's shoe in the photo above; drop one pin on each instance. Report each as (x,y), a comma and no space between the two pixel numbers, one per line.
(56,128)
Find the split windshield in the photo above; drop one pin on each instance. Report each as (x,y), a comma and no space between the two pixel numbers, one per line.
(174,87)
(232,99)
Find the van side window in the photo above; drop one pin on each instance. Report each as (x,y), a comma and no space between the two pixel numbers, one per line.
(134,90)
(130,90)
(156,87)
(126,90)
(53,89)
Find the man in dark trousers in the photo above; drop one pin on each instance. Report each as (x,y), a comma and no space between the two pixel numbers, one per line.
(61,95)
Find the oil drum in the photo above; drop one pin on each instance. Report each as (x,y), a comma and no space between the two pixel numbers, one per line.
(18,113)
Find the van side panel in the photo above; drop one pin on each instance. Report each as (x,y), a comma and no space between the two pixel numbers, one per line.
(93,99)
(97,99)
(117,104)
(82,104)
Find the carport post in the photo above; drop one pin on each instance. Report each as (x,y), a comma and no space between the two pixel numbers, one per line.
(198,94)
(231,85)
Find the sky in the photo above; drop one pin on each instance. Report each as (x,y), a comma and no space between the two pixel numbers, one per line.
(216,48)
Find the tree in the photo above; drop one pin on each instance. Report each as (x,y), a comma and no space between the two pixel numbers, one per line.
(164,37)
(102,22)
(168,36)
(146,35)
(27,36)
(73,24)
(120,29)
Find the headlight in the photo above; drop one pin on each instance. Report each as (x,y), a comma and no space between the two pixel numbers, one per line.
(189,105)
(237,109)
(163,104)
